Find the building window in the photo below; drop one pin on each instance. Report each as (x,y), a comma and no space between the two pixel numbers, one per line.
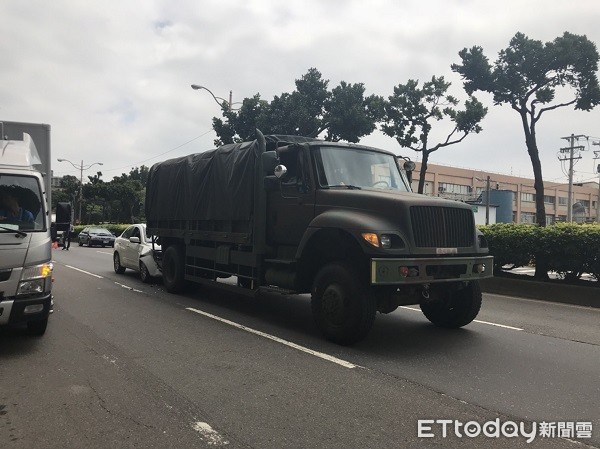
(528,197)
(527,217)
(446,187)
(550,219)
(549,199)
(584,203)
(562,218)
(562,201)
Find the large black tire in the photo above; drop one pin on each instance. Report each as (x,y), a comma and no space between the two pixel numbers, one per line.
(37,327)
(342,306)
(119,269)
(454,307)
(173,268)
(80,243)
(144,273)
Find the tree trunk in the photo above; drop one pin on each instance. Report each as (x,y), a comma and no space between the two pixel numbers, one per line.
(423,171)
(541,267)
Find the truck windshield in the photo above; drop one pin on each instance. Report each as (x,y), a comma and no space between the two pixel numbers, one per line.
(21,206)
(354,168)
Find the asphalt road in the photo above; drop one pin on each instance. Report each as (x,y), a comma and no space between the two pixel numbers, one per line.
(125,364)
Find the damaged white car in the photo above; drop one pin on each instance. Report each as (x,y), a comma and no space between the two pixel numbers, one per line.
(138,251)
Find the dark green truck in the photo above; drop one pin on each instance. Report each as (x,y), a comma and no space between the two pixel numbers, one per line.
(336,220)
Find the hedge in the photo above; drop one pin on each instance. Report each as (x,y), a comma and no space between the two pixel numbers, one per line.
(568,248)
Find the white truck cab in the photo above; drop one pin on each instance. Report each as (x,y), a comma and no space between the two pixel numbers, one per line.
(25,236)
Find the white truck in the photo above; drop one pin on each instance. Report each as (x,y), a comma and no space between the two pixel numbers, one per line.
(25,231)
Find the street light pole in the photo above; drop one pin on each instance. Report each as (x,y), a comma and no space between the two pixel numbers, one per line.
(220,103)
(81,168)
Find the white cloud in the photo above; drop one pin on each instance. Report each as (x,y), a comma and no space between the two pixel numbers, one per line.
(113,78)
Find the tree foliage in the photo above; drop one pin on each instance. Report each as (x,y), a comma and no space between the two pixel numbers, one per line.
(310,110)
(118,201)
(411,111)
(526,77)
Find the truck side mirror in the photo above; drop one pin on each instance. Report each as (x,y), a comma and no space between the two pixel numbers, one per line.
(269,160)
(409,167)
(280,171)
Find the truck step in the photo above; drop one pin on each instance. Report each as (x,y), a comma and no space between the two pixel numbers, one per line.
(281,261)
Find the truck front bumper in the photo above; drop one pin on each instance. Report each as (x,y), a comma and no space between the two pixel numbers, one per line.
(430,270)
(16,311)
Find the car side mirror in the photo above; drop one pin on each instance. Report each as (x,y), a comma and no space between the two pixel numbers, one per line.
(134,239)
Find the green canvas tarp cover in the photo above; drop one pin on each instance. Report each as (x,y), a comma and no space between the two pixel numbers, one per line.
(214,185)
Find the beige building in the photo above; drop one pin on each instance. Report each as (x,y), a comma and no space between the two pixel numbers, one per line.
(468,185)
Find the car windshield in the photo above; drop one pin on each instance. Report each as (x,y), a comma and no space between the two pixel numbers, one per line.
(358,168)
(21,205)
(99,231)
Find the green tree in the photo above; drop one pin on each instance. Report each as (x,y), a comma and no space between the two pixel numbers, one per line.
(310,110)
(526,77)
(411,111)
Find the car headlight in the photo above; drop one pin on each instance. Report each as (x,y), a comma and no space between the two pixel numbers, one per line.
(35,279)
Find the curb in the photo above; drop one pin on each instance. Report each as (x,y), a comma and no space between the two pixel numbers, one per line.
(544,291)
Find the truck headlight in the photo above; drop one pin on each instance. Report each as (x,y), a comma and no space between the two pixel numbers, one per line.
(35,280)
(372,238)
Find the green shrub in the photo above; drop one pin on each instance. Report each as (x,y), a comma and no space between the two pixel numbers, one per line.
(510,244)
(568,248)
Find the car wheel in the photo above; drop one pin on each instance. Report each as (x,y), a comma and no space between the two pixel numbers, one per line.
(37,327)
(119,269)
(453,308)
(80,243)
(342,306)
(144,273)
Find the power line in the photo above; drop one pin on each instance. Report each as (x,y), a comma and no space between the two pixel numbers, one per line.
(153,157)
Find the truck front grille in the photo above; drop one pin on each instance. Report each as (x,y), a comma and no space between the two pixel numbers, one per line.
(442,227)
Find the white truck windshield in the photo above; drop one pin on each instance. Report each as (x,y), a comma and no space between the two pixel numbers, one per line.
(358,168)
(21,206)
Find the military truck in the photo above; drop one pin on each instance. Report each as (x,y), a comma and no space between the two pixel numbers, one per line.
(336,220)
(25,226)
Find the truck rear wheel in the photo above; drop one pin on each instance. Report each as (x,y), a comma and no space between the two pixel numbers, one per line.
(342,307)
(174,269)
(454,307)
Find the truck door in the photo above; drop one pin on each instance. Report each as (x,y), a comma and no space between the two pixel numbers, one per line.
(291,208)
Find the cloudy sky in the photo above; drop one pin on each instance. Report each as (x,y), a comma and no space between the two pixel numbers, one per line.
(113,77)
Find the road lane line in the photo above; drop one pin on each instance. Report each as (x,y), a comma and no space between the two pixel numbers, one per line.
(475,321)
(498,325)
(321,355)
(129,288)
(209,435)
(83,271)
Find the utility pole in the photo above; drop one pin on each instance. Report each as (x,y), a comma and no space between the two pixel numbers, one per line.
(597,157)
(487,201)
(571,151)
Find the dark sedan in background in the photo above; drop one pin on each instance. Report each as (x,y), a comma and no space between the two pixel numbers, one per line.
(91,236)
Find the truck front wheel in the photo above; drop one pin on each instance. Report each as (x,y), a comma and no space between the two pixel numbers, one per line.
(342,307)
(453,308)
(174,269)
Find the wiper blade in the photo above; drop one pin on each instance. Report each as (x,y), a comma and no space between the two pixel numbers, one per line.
(21,233)
(348,186)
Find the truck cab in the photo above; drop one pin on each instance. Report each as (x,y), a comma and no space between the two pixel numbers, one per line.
(25,240)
